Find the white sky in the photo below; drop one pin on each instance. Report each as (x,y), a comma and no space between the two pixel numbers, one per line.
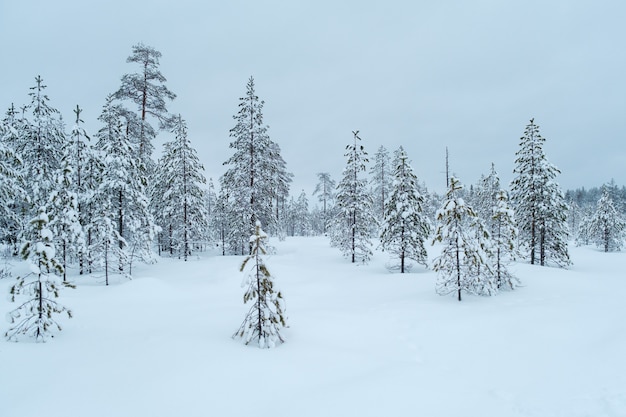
(422,74)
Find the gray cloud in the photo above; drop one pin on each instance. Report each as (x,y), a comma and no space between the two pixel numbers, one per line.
(425,75)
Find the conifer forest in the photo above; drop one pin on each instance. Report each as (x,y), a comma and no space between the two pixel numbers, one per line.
(125,212)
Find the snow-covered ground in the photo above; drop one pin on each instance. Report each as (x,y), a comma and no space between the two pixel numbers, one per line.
(362,342)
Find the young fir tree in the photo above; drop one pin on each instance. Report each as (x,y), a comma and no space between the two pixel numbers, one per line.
(462,255)
(147,90)
(607,226)
(354,222)
(256,172)
(381,179)
(325,194)
(34,317)
(539,204)
(504,237)
(266,317)
(183,208)
(405,226)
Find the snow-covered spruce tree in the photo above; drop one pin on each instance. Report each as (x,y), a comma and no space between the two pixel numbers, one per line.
(405,226)
(256,172)
(65,221)
(183,210)
(303,221)
(234,218)
(607,226)
(281,179)
(539,204)
(486,197)
(34,317)
(147,90)
(381,177)
(324,190)
(106,252)
(504,238)
(583,232)
(124,186)
(80,157)
(462,255)
(11,183)
(354,222)
(266,317)
(40,147)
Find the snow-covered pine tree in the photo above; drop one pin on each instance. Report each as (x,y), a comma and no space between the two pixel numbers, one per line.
(266,317)
(405,226)
(34,317)
(325,194)
(381,178)
(354,223)
(539,204)
(64,214)
(504,237)
(184,213)
(462,255)
(256,172)
(147,90)
(607,226)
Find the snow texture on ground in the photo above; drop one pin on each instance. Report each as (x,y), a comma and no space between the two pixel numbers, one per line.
(362,342)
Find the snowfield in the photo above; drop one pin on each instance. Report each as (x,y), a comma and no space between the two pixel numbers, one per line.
(362,342)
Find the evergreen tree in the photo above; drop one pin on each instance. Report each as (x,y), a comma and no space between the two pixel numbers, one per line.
(65,222)
(504,238)
(463,256)
(281,179)
(486,198)
(106,247)
(539,204)
(11,183)
(266,316)
(34,317)
(325,194)
(405,226)
(256,175)
(124,187)
(40,146)
(354,222)
(184,214)
(80,156)
(147,90)
(607,226)
(381,179)
(303,221)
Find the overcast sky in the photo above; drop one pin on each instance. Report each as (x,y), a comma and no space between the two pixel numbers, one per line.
(422,74)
